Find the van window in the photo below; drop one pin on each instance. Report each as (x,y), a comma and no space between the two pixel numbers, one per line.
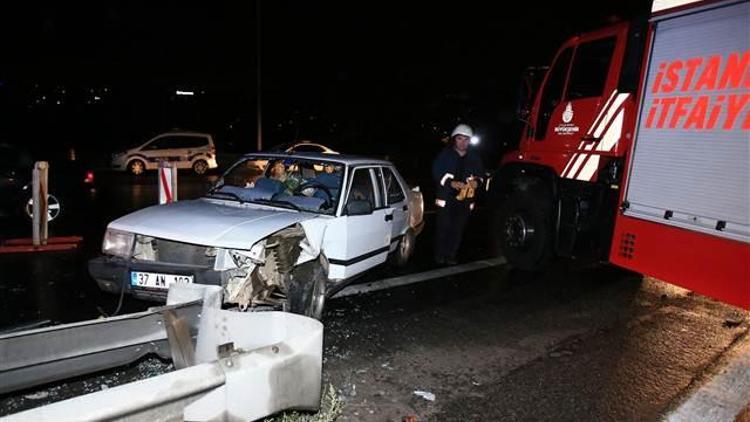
(173,142)
(193,142)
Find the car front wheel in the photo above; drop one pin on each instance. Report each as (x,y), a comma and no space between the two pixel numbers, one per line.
(306,290)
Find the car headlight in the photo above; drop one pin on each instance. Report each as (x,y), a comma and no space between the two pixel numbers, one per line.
(118,243)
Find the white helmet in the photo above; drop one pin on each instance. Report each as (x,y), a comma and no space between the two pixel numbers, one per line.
(462,129)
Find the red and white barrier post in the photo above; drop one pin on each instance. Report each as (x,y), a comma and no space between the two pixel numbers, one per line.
(167,182)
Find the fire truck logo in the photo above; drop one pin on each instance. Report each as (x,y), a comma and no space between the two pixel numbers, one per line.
(567,115)
(566,128)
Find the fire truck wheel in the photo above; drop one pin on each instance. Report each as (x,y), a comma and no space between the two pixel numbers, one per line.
(524,231)
(306,290)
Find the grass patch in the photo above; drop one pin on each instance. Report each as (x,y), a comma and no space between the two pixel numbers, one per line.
(331,407)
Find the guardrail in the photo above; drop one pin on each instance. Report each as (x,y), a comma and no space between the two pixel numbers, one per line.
(230,365)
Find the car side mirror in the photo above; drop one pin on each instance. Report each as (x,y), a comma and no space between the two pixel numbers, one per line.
(358,207)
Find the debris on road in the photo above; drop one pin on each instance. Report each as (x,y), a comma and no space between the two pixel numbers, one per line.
(425,395)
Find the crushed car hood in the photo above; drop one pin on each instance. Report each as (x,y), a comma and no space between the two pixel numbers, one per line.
(209,223)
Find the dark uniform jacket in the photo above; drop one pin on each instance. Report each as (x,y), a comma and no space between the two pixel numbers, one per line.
(449,166)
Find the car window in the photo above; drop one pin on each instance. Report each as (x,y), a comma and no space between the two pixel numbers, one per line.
(361,187)
(392,187)
(306,184)
(380,190)
(245,173)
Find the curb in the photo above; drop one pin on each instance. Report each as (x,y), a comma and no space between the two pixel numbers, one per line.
(726,395)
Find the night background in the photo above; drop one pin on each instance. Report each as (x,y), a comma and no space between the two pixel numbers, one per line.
(381,78)
(477,337)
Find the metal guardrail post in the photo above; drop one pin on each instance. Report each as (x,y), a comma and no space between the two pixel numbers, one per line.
(39,208)
(173,165)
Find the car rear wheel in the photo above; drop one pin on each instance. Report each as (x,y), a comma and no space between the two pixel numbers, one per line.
(200,167)
(54,207)
(405,249)
(306,290)
(137,167)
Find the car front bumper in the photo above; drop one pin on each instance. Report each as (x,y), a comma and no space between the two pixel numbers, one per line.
(112,274)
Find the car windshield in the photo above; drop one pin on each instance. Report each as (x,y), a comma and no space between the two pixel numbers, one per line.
(286,182)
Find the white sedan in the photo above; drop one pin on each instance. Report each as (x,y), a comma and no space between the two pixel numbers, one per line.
(284,237)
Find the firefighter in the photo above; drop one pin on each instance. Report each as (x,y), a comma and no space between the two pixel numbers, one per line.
(457,172)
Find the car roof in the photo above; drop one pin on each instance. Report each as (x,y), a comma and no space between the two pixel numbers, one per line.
(183,133)
(287,145)
(350,160)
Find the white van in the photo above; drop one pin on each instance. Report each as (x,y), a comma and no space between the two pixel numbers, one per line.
(189,150)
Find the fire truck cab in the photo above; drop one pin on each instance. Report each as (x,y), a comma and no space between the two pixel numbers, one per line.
(636,149)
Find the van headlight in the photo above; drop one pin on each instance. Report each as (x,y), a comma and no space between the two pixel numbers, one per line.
(118,243)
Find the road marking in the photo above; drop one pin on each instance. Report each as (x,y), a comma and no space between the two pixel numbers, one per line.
(404,280)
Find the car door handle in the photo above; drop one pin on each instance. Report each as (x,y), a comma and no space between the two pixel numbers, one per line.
(388,217)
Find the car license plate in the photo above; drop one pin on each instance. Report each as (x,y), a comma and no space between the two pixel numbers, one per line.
(157,280)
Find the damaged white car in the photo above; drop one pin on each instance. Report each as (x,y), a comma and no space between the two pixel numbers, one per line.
(282,238)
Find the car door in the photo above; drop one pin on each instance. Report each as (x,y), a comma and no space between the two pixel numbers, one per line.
(395,197)
(359,238)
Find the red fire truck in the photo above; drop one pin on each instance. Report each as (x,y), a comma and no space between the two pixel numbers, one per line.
(635,150)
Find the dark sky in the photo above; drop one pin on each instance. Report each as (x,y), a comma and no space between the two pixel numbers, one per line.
(304,42)
(379,63)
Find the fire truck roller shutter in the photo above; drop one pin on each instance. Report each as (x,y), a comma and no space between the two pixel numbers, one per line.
(690,160)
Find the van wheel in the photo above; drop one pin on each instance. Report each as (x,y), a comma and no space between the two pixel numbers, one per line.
(200,167)
(404,250)
(525,231)
(306,290)
(137,167)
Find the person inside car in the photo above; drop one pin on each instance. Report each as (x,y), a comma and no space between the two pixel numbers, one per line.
(278,180)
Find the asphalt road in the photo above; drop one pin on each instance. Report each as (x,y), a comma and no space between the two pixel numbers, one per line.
(574,343)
